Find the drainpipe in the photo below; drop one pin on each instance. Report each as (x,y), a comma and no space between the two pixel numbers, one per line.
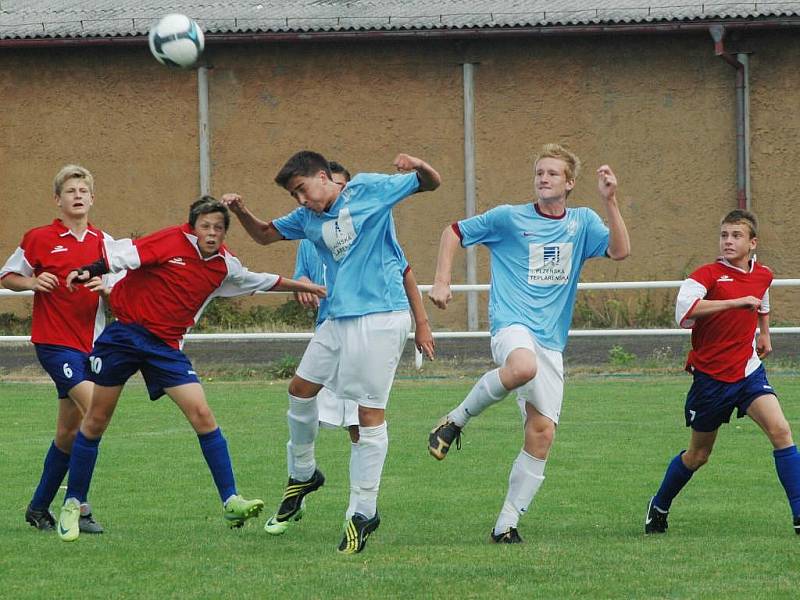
(741,63)
(202,115)
(469,188)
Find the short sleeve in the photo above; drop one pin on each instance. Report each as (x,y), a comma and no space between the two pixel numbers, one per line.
(485,228)
(292,226)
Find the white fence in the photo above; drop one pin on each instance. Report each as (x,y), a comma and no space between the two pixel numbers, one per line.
(610,285)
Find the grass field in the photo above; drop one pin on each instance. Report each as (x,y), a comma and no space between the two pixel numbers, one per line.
(730,531)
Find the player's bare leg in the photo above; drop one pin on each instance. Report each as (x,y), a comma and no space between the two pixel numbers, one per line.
(526,477)
(191,399)
(84,457)
(766,411)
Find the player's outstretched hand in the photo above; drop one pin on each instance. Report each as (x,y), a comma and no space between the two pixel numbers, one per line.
(606,182)
(423,339)
(45,282)
(77,276)
(440,295)
(233,202)
(307,299)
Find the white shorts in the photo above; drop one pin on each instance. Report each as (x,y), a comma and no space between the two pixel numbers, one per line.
(334,412)
(356,357)
(545,392)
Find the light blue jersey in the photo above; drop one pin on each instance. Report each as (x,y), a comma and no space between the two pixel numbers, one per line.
(308,264)
(536,261)
(356,241)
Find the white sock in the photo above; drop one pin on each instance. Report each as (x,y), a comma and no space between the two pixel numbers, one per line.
(373,445)
(527,475)
(489,390)
(354,489)
(303,419)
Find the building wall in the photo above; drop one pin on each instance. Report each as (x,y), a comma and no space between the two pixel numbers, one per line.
(659,109)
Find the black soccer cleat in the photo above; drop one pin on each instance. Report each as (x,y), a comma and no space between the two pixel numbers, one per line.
(797,525)
(43,520)
(655,521)
(507,537)
(86,522)
(356,532)
(295,492)
(442,437)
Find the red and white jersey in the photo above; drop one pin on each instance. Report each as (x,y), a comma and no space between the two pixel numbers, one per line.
(723,344)
(169,283)
(60,317)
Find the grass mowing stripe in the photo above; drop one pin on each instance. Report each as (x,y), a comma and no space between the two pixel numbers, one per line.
(730,532)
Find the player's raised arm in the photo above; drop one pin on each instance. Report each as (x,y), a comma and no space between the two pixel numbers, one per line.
(263,232)
(429,178)
(619,242)
(440,293)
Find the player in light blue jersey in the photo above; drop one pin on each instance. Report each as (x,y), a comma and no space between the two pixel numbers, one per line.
(356,350)
(335,412)
(537,251)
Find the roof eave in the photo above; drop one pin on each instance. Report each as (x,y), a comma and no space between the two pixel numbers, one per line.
(266,37)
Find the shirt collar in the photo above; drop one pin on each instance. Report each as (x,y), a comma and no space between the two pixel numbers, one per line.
(751,264)
(541,214)
(64,231)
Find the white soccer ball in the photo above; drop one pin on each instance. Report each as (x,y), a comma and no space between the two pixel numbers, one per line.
(176,41)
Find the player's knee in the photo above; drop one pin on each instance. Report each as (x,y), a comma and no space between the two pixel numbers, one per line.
(522,372)
(780,434)
(95,424)
(202,419)
(301,388)
(65,437)
(696,458)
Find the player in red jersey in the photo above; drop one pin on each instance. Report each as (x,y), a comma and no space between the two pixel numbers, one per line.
(63,325)
(723,302)
(172,275)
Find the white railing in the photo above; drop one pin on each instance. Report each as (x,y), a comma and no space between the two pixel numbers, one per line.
(607,285)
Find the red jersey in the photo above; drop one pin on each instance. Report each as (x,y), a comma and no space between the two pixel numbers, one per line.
(723,344)
(169,283)
(60,317)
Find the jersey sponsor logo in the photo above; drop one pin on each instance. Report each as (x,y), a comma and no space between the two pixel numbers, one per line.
(339,234)
(178,260)
(59,248)
(549,264)
(528,233)
(725,278)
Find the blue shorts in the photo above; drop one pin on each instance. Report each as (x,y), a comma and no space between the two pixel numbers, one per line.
(67,367)
(122,349)
(710,402)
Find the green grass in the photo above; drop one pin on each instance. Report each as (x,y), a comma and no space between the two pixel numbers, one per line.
(730,530)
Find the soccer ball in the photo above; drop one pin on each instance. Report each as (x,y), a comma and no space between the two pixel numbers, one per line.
(176,41)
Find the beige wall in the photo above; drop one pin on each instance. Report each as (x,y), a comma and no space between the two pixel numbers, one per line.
(658,109)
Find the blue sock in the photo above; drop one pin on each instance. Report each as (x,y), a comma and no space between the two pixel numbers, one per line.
(787,463)
(55,467)
(677,476)
(215,451)
(81,467)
